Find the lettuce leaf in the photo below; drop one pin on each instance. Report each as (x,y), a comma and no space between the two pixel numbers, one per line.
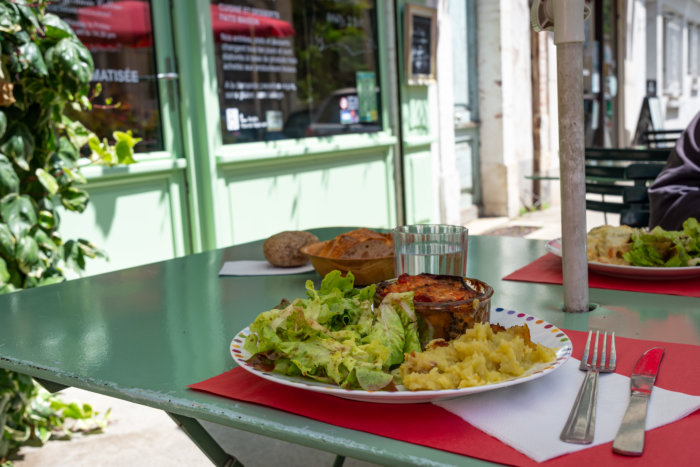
(336,335)
(662,248)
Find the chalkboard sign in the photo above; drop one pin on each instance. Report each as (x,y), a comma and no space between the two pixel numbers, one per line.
(650,119)
(420,36)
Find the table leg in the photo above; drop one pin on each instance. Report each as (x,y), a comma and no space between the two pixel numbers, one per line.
(204,441)
(50,385)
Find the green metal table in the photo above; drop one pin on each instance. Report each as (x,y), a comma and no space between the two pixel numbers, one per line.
(143,334)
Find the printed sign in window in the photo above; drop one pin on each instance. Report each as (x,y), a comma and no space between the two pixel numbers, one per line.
(288,66)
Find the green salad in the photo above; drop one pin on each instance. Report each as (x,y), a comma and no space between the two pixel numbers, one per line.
(335,335)
(660,247)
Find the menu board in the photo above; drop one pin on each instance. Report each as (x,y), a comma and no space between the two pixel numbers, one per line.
(420,35)
(421,53)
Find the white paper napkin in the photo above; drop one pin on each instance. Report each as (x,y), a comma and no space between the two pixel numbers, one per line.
(529,417)
(259,268)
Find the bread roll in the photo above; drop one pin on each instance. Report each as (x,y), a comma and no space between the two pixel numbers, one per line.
(359,244)
(282,249)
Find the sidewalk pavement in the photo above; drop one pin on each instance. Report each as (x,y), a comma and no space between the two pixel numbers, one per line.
(545,224)
(142,436)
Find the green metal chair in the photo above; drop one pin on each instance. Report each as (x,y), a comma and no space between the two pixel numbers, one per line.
(620,177)
(661,138)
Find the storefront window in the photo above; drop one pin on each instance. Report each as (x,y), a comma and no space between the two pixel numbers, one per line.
(296,68)
(120,37)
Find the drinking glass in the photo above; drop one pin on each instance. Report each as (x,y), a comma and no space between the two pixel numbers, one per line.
(430,248)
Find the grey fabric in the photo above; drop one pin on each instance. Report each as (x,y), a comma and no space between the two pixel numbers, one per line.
(675,194)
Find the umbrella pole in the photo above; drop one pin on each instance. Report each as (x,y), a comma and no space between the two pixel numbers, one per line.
(568,38)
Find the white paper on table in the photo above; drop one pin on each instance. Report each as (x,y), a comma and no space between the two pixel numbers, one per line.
(529,417)
(259,268)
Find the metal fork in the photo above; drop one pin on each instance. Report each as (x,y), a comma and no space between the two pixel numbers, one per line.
(580,426)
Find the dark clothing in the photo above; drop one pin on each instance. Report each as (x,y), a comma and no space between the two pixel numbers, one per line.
(675,194)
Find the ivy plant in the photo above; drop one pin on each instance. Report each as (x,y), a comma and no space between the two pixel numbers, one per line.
(44,71)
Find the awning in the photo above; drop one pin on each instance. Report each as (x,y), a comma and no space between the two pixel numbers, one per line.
(127,23)
(228,20)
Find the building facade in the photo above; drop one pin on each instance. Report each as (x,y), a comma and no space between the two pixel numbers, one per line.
(256,117)
(261,116)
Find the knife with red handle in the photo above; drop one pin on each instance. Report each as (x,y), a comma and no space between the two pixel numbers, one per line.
(629,440)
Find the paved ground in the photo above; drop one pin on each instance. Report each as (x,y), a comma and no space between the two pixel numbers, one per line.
(141,436)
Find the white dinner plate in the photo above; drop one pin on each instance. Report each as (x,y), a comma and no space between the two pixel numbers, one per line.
(631,272)
(540,332)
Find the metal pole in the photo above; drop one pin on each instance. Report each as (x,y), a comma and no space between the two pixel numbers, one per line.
(568,38)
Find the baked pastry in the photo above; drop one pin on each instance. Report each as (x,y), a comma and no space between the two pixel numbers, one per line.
(608,244)
(282,249)
(359,244)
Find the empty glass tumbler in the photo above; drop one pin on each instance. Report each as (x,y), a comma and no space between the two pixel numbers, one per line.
(430,248)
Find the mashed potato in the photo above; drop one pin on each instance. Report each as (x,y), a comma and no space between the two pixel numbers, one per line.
(480,356)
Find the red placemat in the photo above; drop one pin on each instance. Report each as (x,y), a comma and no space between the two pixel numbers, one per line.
(547,270)
(431,426)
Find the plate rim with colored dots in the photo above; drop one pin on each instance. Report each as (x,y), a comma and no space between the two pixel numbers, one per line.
(541,332)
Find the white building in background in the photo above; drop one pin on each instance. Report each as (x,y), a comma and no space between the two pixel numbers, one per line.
(672,33)
(631,46)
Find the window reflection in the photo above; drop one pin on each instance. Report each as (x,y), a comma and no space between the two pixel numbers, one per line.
(295,68)
(119,35)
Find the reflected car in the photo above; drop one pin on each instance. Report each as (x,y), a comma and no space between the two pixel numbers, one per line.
(339,114)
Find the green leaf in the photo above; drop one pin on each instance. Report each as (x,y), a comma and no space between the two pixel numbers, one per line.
(75,252)
(29,15)
(75,175)
(9,17)
(47,180)
(49,278)
(125,152)
(18,212)
(31,59)
(4,273)
(19,146)
(74,199)
(56,28)
(100,150)
(90,250)
(78,135)
(72,410)
(27,254)
(68,151)
(45,242)
(127,137)
(3,123)
(43,433)
(47,220)
(9,181)
(73,256)
(71,64)
(7,242)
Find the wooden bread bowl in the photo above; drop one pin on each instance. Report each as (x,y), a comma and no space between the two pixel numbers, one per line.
(366,270)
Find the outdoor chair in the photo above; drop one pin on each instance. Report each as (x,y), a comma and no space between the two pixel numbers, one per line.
(661,138)
(618,180)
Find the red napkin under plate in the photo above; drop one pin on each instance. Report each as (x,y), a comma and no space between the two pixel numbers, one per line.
(431,426)
(547,270)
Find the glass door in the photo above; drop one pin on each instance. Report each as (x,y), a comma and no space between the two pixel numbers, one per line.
(462,15)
